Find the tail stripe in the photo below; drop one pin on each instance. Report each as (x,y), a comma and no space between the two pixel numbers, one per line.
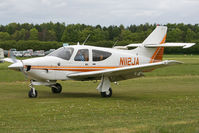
(158,54)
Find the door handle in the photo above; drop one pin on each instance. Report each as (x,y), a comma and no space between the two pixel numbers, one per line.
(86,64)
(94,63)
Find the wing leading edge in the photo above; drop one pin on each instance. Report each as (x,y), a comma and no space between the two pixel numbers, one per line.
(122,73)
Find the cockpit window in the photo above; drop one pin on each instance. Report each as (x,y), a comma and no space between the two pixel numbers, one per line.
(99,55)
(82,55)
(63,52)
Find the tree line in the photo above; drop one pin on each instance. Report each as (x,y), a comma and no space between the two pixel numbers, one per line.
(52,35)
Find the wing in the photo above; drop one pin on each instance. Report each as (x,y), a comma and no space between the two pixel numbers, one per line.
(122,73)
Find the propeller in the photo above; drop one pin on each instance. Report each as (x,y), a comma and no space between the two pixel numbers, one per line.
(17,64)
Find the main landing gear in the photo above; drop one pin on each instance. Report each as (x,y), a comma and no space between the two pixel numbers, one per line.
(57,88)
(107,93)
(105,87)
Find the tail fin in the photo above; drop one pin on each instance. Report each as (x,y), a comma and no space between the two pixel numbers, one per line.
(158,36)
(152,49)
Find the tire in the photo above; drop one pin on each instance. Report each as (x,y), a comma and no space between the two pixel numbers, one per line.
(107,93)
(57,88)
(31,95)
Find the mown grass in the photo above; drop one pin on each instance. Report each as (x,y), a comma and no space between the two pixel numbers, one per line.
(165,100)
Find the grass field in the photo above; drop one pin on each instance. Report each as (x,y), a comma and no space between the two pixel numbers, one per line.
(164,101)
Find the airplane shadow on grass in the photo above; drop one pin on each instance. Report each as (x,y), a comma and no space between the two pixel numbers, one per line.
(44,94)
(89,95)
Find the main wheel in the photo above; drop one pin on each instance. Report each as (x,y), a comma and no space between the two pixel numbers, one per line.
(57,88)
(107,93)
(31,94)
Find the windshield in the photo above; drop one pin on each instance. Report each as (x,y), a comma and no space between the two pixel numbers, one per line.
(63,52)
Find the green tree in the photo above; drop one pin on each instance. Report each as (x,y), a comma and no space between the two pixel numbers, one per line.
(98,35)
(51,35)
(19,35)
(59,30)
(12,27)
(190,35)
(114,32)
(4,36)
(33,34)
(175,35)
(71,34)
(126,35)
(84,33)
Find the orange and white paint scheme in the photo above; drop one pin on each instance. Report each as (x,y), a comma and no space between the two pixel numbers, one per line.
(82,62)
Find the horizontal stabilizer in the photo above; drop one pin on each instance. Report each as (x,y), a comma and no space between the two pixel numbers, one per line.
(121,47)
(128,46)
(184,45)
(134,45)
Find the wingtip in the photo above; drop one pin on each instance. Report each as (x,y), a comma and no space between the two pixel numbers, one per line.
(188,45)
(172,62)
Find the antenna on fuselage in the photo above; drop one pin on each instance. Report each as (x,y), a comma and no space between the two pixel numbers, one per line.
(86,39)
(115,44)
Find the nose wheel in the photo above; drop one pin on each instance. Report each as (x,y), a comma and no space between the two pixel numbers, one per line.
(56,88)
(32,93)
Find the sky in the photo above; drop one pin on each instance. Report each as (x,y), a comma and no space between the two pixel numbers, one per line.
(102,12)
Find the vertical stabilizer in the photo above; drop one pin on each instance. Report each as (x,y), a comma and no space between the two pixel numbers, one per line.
(158,36)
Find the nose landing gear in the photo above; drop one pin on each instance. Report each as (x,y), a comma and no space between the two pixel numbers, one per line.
(32,93)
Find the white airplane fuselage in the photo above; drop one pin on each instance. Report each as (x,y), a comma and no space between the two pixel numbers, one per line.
(55,68)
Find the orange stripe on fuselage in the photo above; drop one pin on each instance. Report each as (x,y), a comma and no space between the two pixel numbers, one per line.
(71,68)
(107,67)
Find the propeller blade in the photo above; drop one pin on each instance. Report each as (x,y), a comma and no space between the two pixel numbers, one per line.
(13,58)
(16,66)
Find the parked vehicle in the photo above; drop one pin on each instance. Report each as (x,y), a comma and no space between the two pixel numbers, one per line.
(49,51)
(13,49)
(1,55)
(26,54)
(5,53)
(30,51)
(18,54)
(39,53)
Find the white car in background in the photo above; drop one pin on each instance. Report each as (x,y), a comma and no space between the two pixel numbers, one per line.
(18,54)
(27,54)
(39,53)
(30,51)
(1,55)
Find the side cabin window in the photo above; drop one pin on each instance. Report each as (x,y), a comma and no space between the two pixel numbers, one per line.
(99,55)
(82,55)
(63,52)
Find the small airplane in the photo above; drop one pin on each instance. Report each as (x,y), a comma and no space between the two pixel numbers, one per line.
(83,63)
